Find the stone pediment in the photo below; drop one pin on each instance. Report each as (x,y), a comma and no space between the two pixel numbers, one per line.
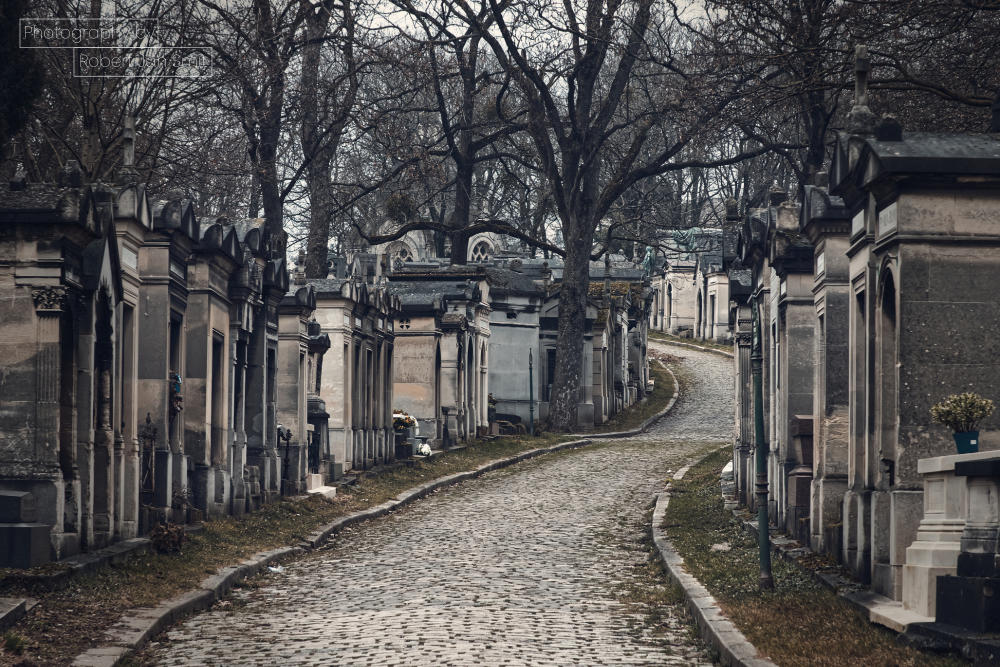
(863,163)
(131,203)
(102,266)
(176,215)
(302,297)
(276,276)
(822,213)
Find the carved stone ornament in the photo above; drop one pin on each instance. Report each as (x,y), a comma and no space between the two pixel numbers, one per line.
(49,298)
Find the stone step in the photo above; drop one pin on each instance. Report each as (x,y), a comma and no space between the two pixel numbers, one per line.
(328,491)
(11,611)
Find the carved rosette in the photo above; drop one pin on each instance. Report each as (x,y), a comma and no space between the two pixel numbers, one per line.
(49,299)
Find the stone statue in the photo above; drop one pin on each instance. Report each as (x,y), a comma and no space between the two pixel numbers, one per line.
(647,262)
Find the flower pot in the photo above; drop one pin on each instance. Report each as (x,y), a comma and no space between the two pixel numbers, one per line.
(967,442)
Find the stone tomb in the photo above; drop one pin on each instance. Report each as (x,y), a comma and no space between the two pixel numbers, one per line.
(923,268)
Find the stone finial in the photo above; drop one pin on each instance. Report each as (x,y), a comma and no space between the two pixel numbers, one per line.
(20,180)
(889,129)
(732,209)
(299,276)
(776,195)
(128,141)
(821,179)
(861,120)
(862,68)
(126,173)
(70,176)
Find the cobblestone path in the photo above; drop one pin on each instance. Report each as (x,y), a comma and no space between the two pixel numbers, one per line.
(524,566)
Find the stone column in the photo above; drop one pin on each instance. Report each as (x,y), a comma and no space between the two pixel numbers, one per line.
(85,402)
(742,458)
(52,469)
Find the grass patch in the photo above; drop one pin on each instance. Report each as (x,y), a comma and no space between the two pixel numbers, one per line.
(800,622)
(663,390)
(669,338)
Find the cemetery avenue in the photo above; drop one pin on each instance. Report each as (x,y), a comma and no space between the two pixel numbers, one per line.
(519,567)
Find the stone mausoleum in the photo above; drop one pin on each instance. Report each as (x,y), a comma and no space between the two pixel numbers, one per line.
(144,355)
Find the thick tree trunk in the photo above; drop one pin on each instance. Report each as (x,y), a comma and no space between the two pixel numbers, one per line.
(460,213)
(316,151)
(320,205)
(270,189)
(570,377)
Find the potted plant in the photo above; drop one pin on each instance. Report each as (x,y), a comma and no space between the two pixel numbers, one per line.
(962,414)
(402,422)
(402,427)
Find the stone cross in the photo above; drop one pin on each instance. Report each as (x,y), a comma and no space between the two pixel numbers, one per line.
(862,67)
(861,120)
(128,142)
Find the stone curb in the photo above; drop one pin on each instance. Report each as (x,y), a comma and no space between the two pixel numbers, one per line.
(716,629)
(11,611)
(138,626)
(646,424)
(728,355)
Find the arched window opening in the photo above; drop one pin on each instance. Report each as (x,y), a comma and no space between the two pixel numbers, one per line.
(481,252)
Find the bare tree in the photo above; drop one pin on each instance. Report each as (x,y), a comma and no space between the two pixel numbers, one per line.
(327,102)
(614,96)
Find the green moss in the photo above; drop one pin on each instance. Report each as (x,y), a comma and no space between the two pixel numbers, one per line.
(634,416)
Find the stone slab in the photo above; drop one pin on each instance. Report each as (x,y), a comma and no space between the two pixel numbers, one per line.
(11,611)
(17,507)
(943,463)
(325,491)
(24,545)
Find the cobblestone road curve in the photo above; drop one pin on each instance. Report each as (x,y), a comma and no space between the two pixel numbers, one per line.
(519,567)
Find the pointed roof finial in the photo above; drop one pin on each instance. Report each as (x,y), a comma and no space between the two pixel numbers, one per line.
(128,141)
(126,173)
(862,67)
(861,120)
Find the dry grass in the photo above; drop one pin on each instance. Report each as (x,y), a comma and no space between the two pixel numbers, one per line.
(800,622)
(663,390)
(668,338)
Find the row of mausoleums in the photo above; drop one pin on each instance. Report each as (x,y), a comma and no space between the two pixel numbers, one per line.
(876,298)
(691,288)
(157,366)
(154,366)
(476,345)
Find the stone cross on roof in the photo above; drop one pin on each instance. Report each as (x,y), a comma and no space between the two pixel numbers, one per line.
(861,120)
(128,142)
(127,172)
